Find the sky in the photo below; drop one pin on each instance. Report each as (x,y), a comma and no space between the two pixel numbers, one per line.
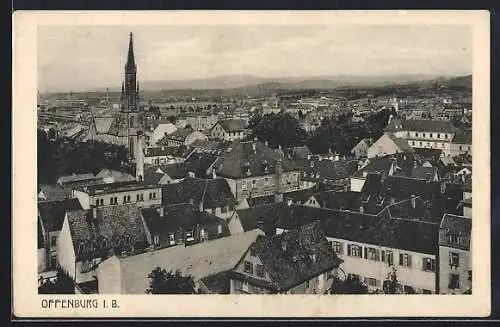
(81,58)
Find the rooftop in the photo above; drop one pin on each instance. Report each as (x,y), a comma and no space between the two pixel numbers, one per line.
(232,125)
(116,187)
(52,213)
(423,125)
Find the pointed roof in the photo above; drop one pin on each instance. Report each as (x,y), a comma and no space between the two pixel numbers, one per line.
(130,57)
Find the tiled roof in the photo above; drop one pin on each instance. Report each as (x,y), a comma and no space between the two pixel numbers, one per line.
(458,226)
(426,173)
(426,153)
(426,125)
(338,200)
(240,158)
(296,256)
(208,145)
(116,187)
(162,151)
(180,134)
(110,222)
(52,212)
(233,125)
(54,192)
(301,151)
(212,192)
(330,169)
(217,283)
(199,163)
(372,185)
(383,164)
(463,138)
(401,143)
(178,216)
(198,260)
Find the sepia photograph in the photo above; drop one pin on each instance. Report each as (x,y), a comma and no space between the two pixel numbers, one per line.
(287,156)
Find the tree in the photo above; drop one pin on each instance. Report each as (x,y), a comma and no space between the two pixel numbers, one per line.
(391,284)
(349,286)
(278,129)
(169,282)
(63,284)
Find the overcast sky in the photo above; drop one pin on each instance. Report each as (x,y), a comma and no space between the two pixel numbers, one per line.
(86,57)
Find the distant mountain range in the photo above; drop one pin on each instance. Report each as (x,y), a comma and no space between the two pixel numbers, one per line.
(292,83)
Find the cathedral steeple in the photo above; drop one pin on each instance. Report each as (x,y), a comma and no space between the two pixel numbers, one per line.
(130,87)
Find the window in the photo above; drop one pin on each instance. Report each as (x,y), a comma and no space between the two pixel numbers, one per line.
(307,284)
(243,185)
(124,199)
(337,247)
(150,196)
(405,260)
(254,183)
(138,197)
(371,282)
(454,281)
(157,240)
(244,286)
(353,277)
(454,259)
(223,209)
(266,181)
(102,201)
(97,202)
(219,229)
(354,250)
(154,195)
(171,239)
(53,241)
(141,197)
(189,236)
(111,201)
(428,264)
(373,254)
(424,135)
(128,198)
(454,239)
(416,134)
(431,135)
(248,267)
(259,271)
(439,135)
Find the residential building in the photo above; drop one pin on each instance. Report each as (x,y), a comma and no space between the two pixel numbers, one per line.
(229,129)
(113,194)
(164,155)
(299,261)
(90,236)
(213,196)
(165,174)
(335,173)
(53,192)
(75,178)
(198,123)
(129,274)
(160,131)
(455,250)
(435,134)
(360,150)
(388,144)
(51,217)
(253,169)
(182,136)
(113,176)
(181,224)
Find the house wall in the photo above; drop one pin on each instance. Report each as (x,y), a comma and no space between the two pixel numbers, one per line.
(66,253)
(312,202)
(357,184)
(415,276)
(109,276)
(316,285)
(219,133)
(467,212)
(446,270)
(360,150)
(41,260)
(83,197)
(383,146)
(133,197)
(234,224)
(266,185)
(162,160)
(237,287)
(52,249)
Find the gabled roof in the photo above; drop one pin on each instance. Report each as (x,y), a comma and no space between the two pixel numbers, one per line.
(52,212)
(54,192)
(372,185)
(110,222)
(103,124)
(176,217)
(163,151)
(301,151)
(401,143)
(426,173)
(208,145)
(423,125)
(199,163)
(463,137)
(456,225)
(338,200)
(330,169)
(232,125)
(213,193)
(176,170)
(240,158)
(295,256)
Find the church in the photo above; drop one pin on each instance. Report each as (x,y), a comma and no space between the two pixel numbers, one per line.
(123,127)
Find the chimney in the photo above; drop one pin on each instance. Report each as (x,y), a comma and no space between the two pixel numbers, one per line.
(267,143)
(161,211)
(361,209)
(413,202)
(94,213)
(254,147)
(200,206)
(214,174)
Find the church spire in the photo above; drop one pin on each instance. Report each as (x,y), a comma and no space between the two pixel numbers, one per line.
(130,57)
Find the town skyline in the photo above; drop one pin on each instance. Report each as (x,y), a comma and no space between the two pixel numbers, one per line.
(85,58)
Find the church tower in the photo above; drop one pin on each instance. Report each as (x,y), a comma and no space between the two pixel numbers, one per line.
(130,87)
